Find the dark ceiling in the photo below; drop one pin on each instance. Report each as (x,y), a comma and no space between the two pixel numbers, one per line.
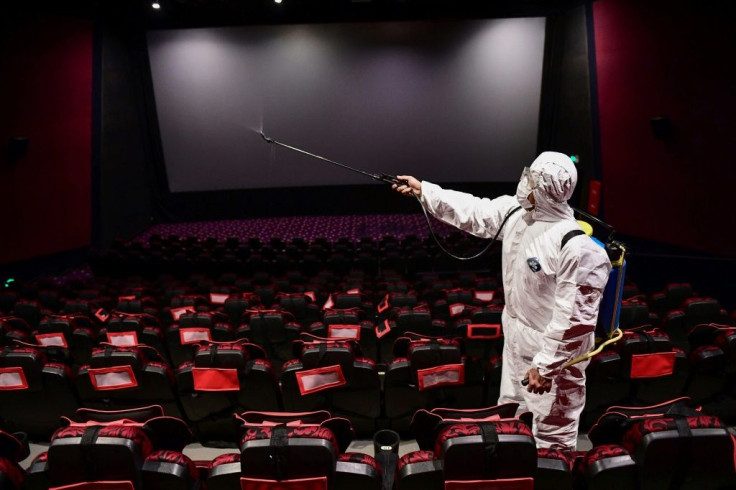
(245,11)
(195,13)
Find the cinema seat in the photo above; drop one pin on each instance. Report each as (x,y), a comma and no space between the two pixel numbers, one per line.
(449,307)
(191,328)
(132,304)
(470,449)
(350,324)
(674,446)
(29,310)
(332,375)
(481,330)
(179,305)
(417,319)
(554,469)
(13,328)
(308,448)
(301,305)
(672,296)
(75,332)
(605,386)
(429,372)
(272,329)
(713,364)
(30,377)
(235,305)
(606,467)
(129,449)
(223,379)
(119,378)
(634,313)
(656,370)
(131,329)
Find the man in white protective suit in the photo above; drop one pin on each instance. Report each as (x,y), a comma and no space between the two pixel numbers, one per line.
(552,291)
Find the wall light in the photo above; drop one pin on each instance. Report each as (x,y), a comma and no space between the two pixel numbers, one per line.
(156,5)
(277,1)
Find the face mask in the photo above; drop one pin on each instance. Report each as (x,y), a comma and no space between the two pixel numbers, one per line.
(524,189)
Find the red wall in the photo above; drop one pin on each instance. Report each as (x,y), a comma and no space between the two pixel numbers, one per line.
(664,58)
(46,96)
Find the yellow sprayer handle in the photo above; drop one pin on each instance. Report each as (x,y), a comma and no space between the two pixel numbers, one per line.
(615,337)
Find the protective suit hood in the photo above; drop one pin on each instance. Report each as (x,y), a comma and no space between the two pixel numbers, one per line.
(555,179)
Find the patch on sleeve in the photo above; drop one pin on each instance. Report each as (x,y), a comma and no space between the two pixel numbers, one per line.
(534,264)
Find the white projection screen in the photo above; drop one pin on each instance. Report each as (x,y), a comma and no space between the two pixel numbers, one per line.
(446,101)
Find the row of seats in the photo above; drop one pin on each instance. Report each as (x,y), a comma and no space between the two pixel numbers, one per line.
(172,321)
(221,377)
(707,374)
(159,297)
(272,328)
(182,255)
(668,446)
(226,377)
(442,298)
(269,291)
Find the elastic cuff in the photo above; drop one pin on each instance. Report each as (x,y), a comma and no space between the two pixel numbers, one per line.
(543,372)
(427,189)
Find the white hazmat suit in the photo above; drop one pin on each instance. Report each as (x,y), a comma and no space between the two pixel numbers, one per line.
(552,292)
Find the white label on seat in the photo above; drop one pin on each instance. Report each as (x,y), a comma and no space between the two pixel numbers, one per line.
(351,332)
(12,378)
(218,299)
(123,339)
(56,339)
(484,296)
(194,335)
(112,378)
(319,379)
(457,309)
(447,375)
(178,312)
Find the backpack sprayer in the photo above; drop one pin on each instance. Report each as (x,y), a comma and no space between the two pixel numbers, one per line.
(609,311)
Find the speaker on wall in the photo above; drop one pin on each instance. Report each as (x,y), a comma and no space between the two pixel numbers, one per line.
(17,147)
(661,127)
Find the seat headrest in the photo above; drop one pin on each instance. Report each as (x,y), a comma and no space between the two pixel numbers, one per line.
(22,364)
(425,425)
(113,355)
(610,427)
(424,352)
(707,334)
(140,414)
(341,428)
(311,418)
(228,355)
(320,353)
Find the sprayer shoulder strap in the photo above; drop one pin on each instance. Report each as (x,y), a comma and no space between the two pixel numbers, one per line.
(506,218)
(570,234)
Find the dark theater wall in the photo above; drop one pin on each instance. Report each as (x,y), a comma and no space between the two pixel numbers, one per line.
(669,59)
(45,96)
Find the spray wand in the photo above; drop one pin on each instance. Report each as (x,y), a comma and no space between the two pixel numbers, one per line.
(388,179)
